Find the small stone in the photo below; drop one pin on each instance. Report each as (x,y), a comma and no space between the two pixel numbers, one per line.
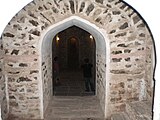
(114,92)
(55,10)
(117,52)
(21,98)
(32,15)
(1,47)
(121,34)
(8,35)
(35,59)
(32,97)
(22,36)
(116,59)
(127,59)
(110,0)
(23,65)
(12,97)
(136,19)
(89,9)
(40,8)
(121,84)
(128,66)
(137,43)
(129,80)
(34,71)
(45,7)
(99,1)
(124,26)
(116,3)
(15,52)
(141,25)
(82,7)
(137,59)
(119,71)
(17,44)
(116,99)
(123,6)
(97,12)
(129,86)
(21,20)
(142,35)
(11,65)
(17,26)
(13,73)
(116,12)
(113,31)
(121,45)
(23,79)
(98,20)
(35,32)
(11,79)
(121,91)
(72,6)
(130,15)
(30,37)
(108,5)
(127,51)
(34,23)
(13,103)
(121,107)
(21,90)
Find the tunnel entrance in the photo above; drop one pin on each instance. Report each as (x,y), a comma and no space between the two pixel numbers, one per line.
(72,46)
(92,43)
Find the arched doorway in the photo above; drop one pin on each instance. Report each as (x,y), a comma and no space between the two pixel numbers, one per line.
(72,46)
(99,50)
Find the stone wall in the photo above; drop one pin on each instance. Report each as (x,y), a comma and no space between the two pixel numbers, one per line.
(1,74)
(149,66)
(130,52)
(3,100)
(47,80)
(21,67)
(101,79)
(130,57)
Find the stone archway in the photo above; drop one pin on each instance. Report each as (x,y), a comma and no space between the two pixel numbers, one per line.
(101,43)
(129,65)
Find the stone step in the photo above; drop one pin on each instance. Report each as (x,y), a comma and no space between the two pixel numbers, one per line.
(87,118)
(120,116)
(140,110)
(74,108)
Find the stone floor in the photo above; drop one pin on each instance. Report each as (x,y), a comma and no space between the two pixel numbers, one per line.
(72,84)
(71,102)
(74,108)
(140,110)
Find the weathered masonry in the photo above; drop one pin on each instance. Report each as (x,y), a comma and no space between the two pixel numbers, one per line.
(124,54)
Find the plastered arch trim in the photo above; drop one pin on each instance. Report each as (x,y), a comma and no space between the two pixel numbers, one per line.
(98,33)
